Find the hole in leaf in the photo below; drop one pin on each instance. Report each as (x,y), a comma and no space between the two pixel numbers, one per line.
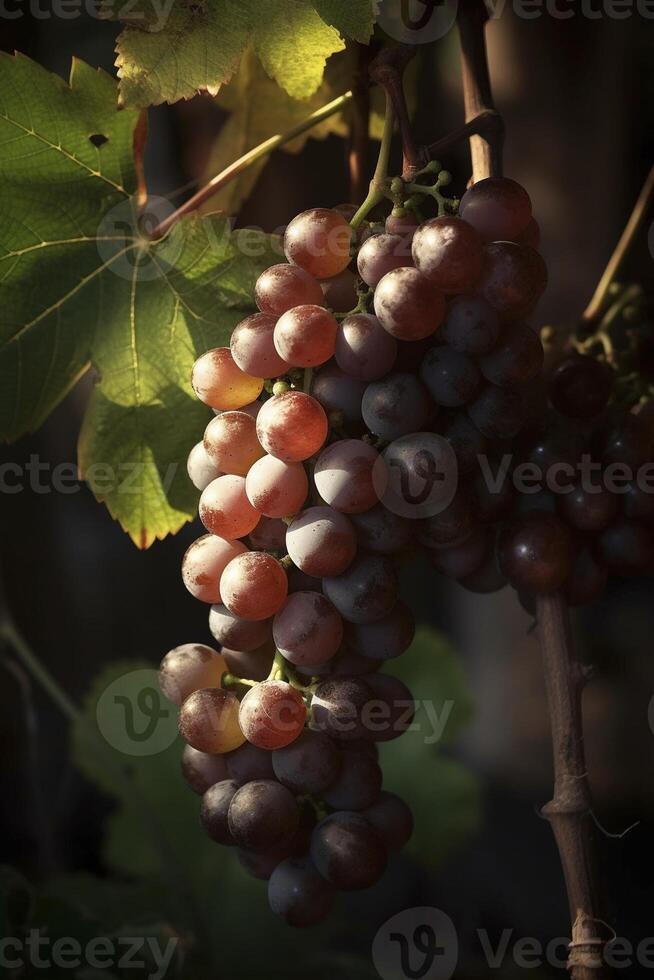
(98,139)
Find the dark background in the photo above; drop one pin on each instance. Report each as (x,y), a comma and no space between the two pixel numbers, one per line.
(576,95)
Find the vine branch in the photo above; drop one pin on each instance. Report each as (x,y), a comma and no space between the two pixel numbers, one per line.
(642,207)
(388,71)
(486,150)
(569,811)
(359,153)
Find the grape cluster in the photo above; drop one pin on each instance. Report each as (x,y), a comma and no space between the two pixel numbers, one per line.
(356,416)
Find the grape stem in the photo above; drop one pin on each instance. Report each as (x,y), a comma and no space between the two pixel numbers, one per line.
(359,151)
(230,680)
(593,312)
(570,810)
(486,150)
(248,159)
(379,183)
(387,70)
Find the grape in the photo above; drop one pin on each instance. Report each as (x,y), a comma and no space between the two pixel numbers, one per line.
(255,665)
(338,392)
(426,473)
(340,292)
(268,535)
(201,468)
(248,763)
(238,634)
(409,306)
(201,770)
(396,405)
(292,426)
(498,413)
(337,706)
(208,720)
(253,348)
(215,807)
(219,382)
(498,208)
(639,504)
(263,816)
(381,531)
(321,541)
(345,664)
(188,668)
(254,586)
(461,560)
(306,336)
(452,378)
(366,591)
(319,241)
(517,358)
(358,784)
(451,526)
(276,488)
(466,440)
(392,819)
(471,325)
(449,252)
(204,563)
(390,711)
(488,578)
(386,639)
(513,280)
(344,476)
(298,894)
(543,500)
(272,714)
(309,765)
(589,511)
(348,852)
(364,350)
(402,224)
(536,552)
(531,235)
(380,254)
(626,439)
(282,287)
(580,387)
(627,548)
(552,444)
(225,509)
(230,441)
(307,629)
(587,580)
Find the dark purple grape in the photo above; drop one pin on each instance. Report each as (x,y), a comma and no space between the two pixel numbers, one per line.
(390,711)
(542,500)
(626,548)
(460,561)
(381,531)
(201,770)
(380,254)
(339,392)
(553,445)
(494,492)
(517,358)
(392,819)
(628,440)
(498,413)
(268,535)
(344,664)
(214,812)
(409,306)
(337,707)
(420,475)
(344,476)
(488,578)
(471,326)
(513,280)
(638,504)
(580,387)
(254,665)
(238,634)
(298,894)
(386,639)
(309,765)
(536,552)
(498,208)
(347,851)
(449,252)
(358,784)
(396,405)
(453,379)
(466,440)
(402,224)
(263,816)
(366,591)
(248,763)
(308,629)
(451,526)
(364,350)
(587,580)
(321,541)
(588,511)
(340,292)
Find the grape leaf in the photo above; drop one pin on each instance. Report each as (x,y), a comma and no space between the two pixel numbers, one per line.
(81,285)
(353,18)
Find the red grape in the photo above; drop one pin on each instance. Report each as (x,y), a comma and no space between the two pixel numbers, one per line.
(225,509)
(208,720)
(254,586)
(282,287)
(204,563)
(498,208)
(272,714)
(380,254)
(319,241)
(253,347)
(292,426)
(230,441)
(344,476)
(449,252)
(306,336)
(188,668)
(513,279)
(201,468)
(321,541)
(409,306)
(307,629)
(364,350)
(536,552)
(219,382)
(276,488)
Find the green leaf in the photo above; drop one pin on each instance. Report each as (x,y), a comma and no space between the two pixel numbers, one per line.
(82,285)
(294,44)
(353,18)
(195,47)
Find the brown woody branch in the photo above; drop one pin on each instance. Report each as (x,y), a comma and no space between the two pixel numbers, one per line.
(388,71)
(485,148)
